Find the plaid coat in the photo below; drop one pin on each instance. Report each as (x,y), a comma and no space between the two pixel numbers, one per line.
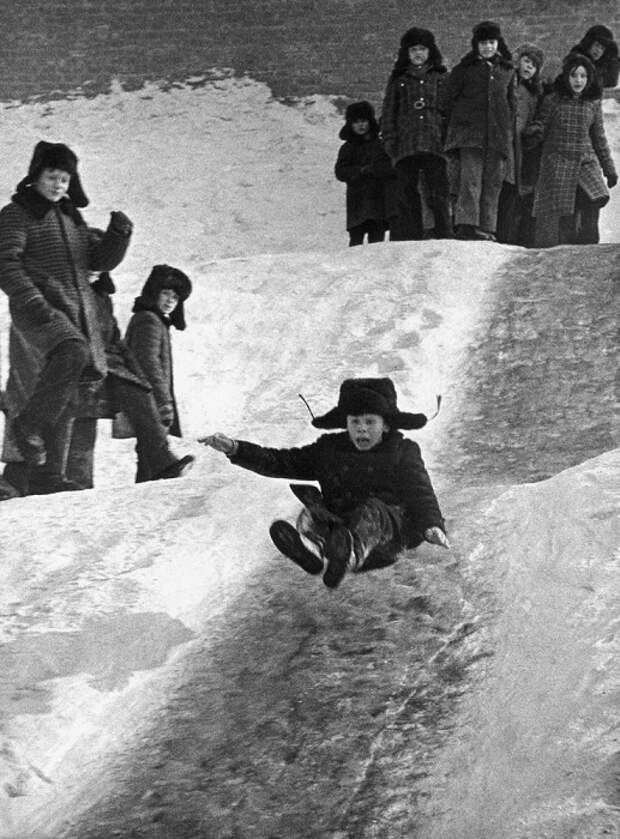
(414,114)
(46,254)
(574,150)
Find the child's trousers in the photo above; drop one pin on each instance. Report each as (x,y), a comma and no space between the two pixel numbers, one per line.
(481,175)
(374,525)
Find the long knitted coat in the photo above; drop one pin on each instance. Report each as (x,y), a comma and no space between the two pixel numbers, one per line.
(574,150)
(413,120)
(47,253)
(480,105)
(148,338)
(392,471)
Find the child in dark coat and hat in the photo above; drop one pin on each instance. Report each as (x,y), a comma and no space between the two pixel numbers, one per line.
(413,123)
(364,166)
(376,496)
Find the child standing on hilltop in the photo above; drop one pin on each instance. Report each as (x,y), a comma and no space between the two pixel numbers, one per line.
(376,496)
(480,130)
(413,126)
(599,46)
(514,216)
(159,306)
(570,190)
(364,166)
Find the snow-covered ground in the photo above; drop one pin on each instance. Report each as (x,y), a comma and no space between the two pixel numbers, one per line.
(104,594)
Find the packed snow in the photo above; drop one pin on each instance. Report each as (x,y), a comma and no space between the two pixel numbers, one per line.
(104,594)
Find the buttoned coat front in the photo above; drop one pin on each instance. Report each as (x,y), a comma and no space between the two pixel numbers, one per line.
(413,120)
(393,471)
(480,105)
(574,150)
(47,253)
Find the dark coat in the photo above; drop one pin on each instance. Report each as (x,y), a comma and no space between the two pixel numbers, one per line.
(47,253)
(392,471)
(414,114)
(480,106)
(574,150)
(525,163)
(365,168)
(148,338)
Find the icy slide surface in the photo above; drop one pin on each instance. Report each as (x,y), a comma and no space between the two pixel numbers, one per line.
(164,673)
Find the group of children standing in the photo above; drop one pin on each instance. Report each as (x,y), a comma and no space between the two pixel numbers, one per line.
(487,151)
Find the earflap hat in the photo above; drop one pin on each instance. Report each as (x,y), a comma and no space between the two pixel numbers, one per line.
(368,396)
(48,155)
(161,277)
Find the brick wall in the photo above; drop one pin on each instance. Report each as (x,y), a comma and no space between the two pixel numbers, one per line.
(298,47)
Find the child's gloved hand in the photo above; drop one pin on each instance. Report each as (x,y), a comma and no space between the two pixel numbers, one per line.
(612,180)
(220,442)
(436,536)
(120,223)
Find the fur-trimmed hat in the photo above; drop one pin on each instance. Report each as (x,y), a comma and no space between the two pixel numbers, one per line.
(48,155)
(593,88)
(599,33)
(412,38)
(160,278)
(368,396)
(355,111)
(486,30)
(534,53)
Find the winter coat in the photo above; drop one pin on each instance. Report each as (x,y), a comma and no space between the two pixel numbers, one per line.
(480,106)
(413,120)
(525,161)
(46,255)
(574,150)
(148,338)
(365,167)
(392,471)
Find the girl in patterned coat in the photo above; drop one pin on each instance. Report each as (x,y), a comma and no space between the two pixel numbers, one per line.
(413,125)
(575,157)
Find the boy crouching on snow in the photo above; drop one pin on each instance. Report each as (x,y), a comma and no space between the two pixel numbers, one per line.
(376,496)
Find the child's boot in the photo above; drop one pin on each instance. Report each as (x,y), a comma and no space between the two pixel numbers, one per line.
(288,541)
(338,550)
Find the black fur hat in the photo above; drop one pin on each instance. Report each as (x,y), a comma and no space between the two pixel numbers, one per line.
(163,277)
(488,30)
(412,38)
(599,33)
(534,53)
(368,396)
(55,156)
(593,88)
(355,111)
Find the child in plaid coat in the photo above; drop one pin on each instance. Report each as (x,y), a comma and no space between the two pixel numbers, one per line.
(376,496)
(575,156)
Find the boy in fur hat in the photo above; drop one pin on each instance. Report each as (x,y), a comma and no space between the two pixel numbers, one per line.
(480,130)
(413,125)
(364,167)
(599,46)
(376,496)
(46,255)
(159,306)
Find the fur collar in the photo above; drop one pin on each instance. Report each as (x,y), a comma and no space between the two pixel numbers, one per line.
(38,207)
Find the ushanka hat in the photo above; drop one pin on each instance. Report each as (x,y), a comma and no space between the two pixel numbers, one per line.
(487,30)
(368,396)
(164,277)
(48,155)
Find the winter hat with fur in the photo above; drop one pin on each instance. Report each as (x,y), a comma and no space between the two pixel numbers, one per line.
(164,277)
(593,88)
(414,37)
(534,53)
(48,155)
(355,111)
(368,396)
(488,30)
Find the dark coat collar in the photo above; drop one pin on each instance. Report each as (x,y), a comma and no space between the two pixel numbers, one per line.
(38,207)
(474,58)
